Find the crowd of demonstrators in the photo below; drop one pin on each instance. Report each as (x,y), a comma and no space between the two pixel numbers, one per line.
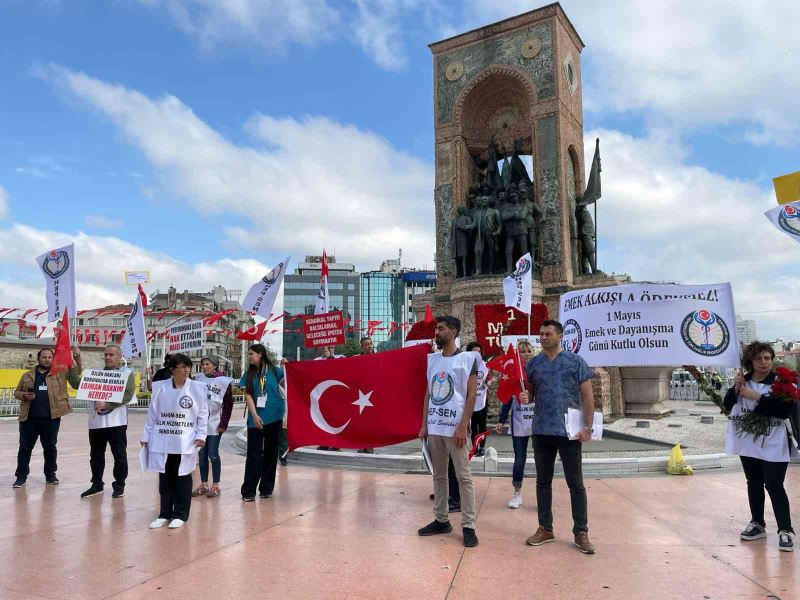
(43,400)
(108,426)
(174,457)
(452,388)
(556,380)
(478,421)
(220,407)
(265,409)
(765,461)
(521,429)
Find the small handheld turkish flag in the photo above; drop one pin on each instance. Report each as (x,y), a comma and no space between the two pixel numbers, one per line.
(358,402)
(509,366)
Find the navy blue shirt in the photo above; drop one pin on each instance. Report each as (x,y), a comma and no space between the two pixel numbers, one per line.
(556,387)
(40,406)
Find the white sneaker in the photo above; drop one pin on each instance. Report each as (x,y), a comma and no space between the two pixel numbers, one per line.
(176,524)
(516,500)
(156,523)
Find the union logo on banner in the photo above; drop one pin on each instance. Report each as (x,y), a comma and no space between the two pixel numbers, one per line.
(523,266)
(273,275)
(789,220)
(573,336)
(56,263)
(705,332)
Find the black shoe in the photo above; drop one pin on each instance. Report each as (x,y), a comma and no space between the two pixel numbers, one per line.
(453,507)
(92,491)
(19,482)
(248,498)
(52,481)
(265,495)
(435,528)
(470,539)
(284,462)
(118,493)
(432,497)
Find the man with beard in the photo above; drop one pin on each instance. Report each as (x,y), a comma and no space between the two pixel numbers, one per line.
(452,385)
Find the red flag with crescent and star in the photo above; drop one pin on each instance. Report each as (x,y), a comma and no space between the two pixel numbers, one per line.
(509,365)
(254,334)
(357,402)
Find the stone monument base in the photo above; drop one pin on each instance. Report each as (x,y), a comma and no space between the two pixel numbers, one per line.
(644,390)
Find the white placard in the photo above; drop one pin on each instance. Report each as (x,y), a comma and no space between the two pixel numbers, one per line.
(103,385)
(651,325)
(185,337)
(137,277)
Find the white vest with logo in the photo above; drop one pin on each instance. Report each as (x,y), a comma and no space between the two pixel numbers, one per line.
(521,418)
(113,416)
(482,383)
(216,388)
(775,446)
(175,413)
(447,391)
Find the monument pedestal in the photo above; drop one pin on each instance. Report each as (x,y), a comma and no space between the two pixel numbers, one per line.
(644,390)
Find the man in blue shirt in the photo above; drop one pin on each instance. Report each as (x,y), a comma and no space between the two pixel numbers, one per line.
(559,380)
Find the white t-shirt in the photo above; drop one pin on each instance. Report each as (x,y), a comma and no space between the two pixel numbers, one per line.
(216,388)
(775,446)
(482,382)
(447,391)
(114,415)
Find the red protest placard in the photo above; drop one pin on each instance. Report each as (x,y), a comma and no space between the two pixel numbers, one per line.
(323,330)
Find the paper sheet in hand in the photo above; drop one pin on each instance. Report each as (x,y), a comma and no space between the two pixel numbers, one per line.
(144,458)
(426,456)
(574,423)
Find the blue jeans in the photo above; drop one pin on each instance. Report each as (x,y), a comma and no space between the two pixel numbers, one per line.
(520,458)
(210,452)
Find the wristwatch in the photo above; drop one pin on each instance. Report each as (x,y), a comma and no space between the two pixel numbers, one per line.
(589,429)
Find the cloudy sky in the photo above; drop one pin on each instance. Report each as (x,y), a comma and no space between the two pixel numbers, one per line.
(204,140)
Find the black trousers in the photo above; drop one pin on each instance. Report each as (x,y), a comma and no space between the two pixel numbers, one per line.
(545,448)
(262,459)
(117,438)
(175,490)
(46,430)
(478,422)
(762,474)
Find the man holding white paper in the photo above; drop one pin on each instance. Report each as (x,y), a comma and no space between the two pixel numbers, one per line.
(560,380)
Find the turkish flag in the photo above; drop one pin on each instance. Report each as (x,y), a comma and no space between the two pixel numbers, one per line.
(358,402)
(62,357)
(143,296)
(509,365)
(255,333)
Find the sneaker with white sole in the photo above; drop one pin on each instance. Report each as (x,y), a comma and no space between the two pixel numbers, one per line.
(753,531)
(159,522)
(786,541)
(176,524)
(516,500)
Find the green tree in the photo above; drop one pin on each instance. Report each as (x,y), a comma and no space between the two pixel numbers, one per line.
(350,348)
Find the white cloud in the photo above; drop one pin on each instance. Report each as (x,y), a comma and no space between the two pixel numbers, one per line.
(687,64)
(378,28)
(33,171)
(271,24)
(102,222)
(100,263)
(3,202)
(662,220)
(303,184)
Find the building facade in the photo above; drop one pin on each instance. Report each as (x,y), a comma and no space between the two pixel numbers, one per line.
(300,291)
(745,330)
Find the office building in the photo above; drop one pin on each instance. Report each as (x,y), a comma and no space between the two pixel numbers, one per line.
(745,330)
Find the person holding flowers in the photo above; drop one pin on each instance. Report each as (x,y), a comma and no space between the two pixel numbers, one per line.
(759,404)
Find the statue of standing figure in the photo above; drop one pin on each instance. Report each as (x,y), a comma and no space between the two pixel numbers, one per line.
(461,237)
(514,217)
(582,228)
(486,226)
(533,219)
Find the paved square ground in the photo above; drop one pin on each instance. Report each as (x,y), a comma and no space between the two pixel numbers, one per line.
(347,534)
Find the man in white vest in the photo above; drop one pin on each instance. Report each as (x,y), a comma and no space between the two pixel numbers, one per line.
(108,425)
(452,385)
